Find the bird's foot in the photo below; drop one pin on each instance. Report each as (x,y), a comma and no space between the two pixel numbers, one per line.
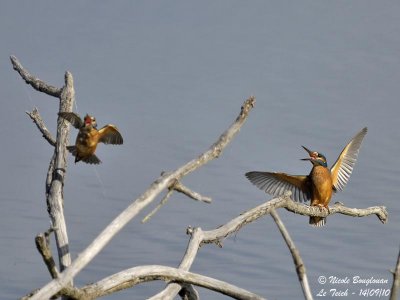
(322,208)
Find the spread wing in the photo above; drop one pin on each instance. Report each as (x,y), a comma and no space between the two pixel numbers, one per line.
(342,168)
(73,118)
(277,183)
(109,134)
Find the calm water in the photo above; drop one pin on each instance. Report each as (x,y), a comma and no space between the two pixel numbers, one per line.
(172,76)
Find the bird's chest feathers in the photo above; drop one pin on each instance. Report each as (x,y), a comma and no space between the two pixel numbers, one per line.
(322,184)
(87,138)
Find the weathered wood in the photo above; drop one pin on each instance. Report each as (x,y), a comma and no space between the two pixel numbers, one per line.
(179,187)
(58,162)
(36,83)
(298,261)
(199,237)
(137,275)
(37,119)
(163,182)
(43,245)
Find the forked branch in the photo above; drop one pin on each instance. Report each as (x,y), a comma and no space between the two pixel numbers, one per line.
(200,237)
(298,261)
(57,166)
(163,182)
(35,82)
(137,275)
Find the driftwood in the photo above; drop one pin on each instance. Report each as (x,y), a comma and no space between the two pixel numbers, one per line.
(131,277)
(298,261)
(57,168)
(179,280)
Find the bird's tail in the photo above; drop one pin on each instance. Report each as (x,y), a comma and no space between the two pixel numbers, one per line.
(317,221)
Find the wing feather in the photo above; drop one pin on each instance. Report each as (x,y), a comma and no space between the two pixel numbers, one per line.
(343,167)
(73,118)
(109,134)
(276,184)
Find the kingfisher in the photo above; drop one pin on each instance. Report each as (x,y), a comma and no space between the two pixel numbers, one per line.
(320,184)
(88,137)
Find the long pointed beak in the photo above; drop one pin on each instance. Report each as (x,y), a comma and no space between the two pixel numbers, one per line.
(309,151)
(309,158)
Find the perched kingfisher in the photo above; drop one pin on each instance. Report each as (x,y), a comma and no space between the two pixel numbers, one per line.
(88,137)
(320,184)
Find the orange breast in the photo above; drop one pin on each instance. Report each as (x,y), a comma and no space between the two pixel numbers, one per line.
(86,142)
(321,186)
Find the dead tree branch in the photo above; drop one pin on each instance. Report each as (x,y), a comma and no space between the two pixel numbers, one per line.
(163,201)
(179,187)
(37,119)
(396,281)
(200,237)
(36,83)
(137,275)
(163,182)
(43,245)
(57,166)
(338,207)
(298,261)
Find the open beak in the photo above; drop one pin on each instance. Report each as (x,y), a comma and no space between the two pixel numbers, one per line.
(312,154)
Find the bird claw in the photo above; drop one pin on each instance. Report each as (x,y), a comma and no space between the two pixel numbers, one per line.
(322,208)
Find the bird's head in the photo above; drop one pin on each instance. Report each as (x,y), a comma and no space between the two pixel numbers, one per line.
(89,121)
(316,158)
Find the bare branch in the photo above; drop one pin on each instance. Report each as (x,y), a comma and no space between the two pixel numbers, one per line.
(57,166)
(36,83)
(298,208)
(137,275)
(55,179)
(163,182)
(298,262)
(37,119)
(196,238)
(157,208)
(179,187)
(199,237)
(396,281)
(43,245)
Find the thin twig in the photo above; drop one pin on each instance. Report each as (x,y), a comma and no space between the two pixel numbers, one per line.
(43,245)
(396,281)
(298,261)
(157,208)
(179,187)
(36,83)
(37,119)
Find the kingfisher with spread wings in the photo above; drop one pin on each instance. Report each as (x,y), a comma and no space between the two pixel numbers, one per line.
(320,184)
(88,137)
